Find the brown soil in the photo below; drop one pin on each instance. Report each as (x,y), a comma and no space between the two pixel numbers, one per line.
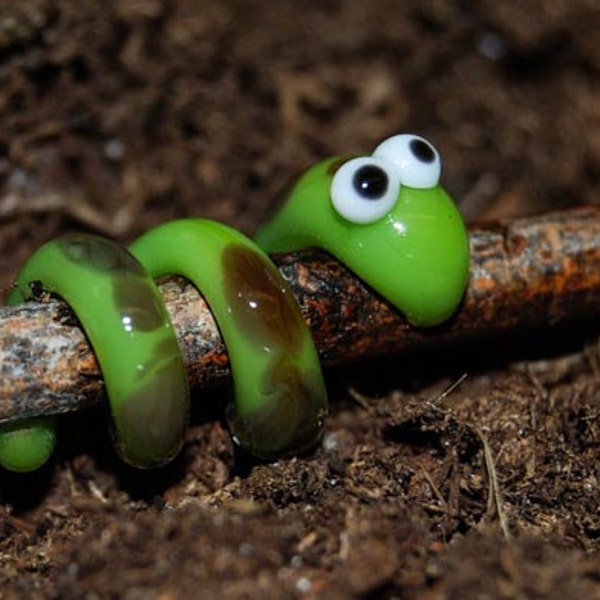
(115,116)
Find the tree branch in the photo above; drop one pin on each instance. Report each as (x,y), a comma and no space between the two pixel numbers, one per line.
(524,273)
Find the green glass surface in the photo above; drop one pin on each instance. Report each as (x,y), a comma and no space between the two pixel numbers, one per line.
(416,256)
(27,445)
(124,318)
(280,398)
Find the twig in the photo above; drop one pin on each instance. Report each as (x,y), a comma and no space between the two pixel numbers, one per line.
(525,273)
(495,502)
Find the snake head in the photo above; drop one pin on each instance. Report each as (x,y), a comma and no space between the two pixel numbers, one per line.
(387,218)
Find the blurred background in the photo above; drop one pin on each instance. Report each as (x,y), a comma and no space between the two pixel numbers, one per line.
(117,115)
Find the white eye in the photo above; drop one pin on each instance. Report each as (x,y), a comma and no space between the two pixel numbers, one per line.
(418,161)
(364,189)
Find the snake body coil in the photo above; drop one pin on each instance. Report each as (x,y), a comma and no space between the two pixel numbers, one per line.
(384,215)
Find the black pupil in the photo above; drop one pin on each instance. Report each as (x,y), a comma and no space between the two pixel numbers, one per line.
(422,150)
(371,182)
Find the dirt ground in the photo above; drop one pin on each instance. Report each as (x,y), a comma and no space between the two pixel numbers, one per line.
(115,116)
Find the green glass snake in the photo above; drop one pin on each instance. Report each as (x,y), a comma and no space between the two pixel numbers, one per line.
(384,215)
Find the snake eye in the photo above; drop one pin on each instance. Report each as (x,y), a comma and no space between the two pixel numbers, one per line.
(417,160)
(364,189)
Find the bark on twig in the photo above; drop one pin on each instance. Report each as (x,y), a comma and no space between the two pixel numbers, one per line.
(527,272)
